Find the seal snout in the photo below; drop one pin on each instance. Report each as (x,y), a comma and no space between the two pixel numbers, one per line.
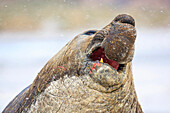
(119,43)
(124,18)
(116,39)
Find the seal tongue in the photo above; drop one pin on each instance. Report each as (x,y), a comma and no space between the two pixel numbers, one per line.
(100,55)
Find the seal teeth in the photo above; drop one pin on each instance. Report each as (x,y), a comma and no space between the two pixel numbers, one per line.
(101,60)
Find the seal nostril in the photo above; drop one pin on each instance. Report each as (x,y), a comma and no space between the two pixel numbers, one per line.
(124,18)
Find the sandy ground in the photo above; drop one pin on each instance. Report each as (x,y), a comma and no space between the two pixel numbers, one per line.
(22,57)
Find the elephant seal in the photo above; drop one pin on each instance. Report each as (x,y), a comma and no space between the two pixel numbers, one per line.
(91,73)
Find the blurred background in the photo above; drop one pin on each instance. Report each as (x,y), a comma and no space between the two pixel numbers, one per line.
(32,31)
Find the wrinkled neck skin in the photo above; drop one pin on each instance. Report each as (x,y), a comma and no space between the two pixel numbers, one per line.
(79,94)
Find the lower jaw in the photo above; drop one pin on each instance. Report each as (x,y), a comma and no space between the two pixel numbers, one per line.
(92,84)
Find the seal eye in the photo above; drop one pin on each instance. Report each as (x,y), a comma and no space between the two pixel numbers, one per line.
(91,32)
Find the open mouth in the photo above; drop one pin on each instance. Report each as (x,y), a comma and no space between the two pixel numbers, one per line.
(99,55)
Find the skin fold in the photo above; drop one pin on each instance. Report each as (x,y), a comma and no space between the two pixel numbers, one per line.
(72,81)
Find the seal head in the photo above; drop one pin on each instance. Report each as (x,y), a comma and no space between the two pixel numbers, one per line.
(92,73)
(109,53)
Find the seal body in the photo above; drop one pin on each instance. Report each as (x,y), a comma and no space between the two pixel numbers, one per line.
(92,73)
